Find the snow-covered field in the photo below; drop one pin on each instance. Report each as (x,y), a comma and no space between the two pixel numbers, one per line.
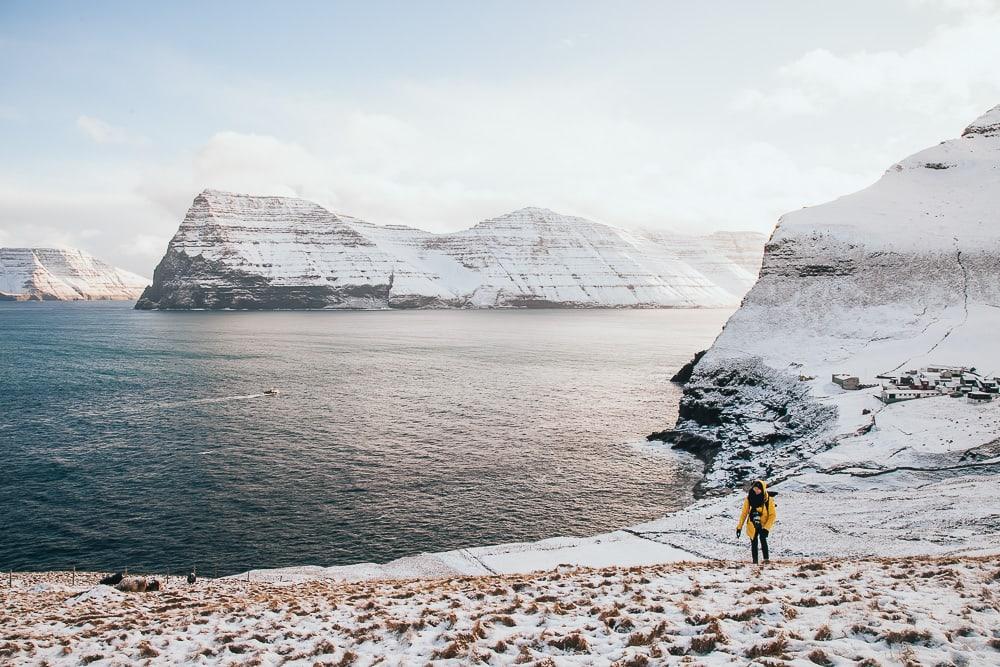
(927,611)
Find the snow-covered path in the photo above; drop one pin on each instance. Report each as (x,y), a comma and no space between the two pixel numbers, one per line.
(831,612)
(819,516)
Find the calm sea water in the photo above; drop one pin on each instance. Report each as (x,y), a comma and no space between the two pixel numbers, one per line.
(142,439)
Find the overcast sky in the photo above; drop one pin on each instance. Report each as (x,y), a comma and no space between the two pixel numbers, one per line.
(693,116)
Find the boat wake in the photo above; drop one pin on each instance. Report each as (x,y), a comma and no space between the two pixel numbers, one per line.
(216,399)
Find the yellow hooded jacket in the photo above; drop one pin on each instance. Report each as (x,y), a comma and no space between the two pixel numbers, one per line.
(767,516)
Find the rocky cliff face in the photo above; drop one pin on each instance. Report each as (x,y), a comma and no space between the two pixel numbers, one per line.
(57,274)
(240,251)
(902,274)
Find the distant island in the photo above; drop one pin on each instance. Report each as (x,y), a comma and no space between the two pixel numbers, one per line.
(236,251)
(63,274)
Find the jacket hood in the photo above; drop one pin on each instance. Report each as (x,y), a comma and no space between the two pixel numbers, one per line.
(762,483)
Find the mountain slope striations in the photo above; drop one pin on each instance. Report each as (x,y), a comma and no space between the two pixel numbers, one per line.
(62,274)
(241,251)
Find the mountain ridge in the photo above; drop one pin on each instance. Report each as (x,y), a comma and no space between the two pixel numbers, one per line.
(63,274)
(249,252)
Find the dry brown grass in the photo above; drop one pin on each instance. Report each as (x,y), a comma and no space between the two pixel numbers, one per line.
(704,644)
(768,649)
(572,643)
(744,615)
(455,649)
(349,658)
(146,650)
(647,638)
(819,657)
(907,636)
(758,589)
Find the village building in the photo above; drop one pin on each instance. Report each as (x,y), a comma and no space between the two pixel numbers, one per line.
(897,394)
(938,380)
(849,382)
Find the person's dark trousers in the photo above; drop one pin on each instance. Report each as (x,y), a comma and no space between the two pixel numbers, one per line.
(760,535)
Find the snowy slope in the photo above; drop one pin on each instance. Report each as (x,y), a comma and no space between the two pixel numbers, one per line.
(536,256)
(900,275)
(917,611)
(240,251)
(730,260)
(44,274)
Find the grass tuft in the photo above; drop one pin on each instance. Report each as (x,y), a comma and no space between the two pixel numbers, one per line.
(819,657)
(768,649)
(907,636)
(573,643)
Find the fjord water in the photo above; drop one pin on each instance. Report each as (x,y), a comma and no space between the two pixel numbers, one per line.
(143,440)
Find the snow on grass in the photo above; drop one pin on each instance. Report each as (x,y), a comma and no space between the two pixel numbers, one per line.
(875,611)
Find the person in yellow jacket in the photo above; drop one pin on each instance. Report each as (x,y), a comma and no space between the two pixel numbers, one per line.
(758,514)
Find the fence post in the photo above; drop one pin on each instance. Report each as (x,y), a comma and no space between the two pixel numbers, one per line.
(74,575)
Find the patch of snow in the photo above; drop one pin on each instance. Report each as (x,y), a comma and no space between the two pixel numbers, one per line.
(99,593)
(63,274)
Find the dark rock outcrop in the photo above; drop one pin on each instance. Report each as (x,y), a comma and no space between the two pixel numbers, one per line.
(684,374)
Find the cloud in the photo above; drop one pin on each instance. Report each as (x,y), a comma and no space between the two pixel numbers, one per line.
(103,223)
(962,6)
(952,73)
(104,133)
(144,247)
(620,177)
(611,145)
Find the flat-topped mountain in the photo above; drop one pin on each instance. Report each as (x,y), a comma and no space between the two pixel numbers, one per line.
(61,274)
(242,251)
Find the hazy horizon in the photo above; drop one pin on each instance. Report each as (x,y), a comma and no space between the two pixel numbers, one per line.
(693,118)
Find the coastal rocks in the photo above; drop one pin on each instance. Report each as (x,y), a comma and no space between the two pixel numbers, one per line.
(62,274)
(745,419)
(245,252)
(902,273)
(684,374)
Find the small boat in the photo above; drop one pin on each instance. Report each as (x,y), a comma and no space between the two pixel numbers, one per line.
(271,392)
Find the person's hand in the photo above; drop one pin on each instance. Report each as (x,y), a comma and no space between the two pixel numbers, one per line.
(739,531)
(764,532)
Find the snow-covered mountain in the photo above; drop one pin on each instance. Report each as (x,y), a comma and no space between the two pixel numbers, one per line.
(902,275)
(59,274)
(241,251)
